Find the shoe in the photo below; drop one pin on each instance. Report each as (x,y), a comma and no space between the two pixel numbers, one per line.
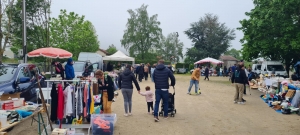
(125,114)
(235,102)
(166,117)
(188,93)
(241,103)
(243,100)
(129,114)
(156,119)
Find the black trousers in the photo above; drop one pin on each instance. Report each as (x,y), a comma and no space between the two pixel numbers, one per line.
(150,105)
(206,76)
(146,75)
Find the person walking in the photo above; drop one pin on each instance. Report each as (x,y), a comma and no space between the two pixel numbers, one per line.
(69,70)
(149,98)
(125,84)
(141,72)
(146,70)
(239,79)
(152,71)
(161,77)
(206,73)
(194,80)
(149,69)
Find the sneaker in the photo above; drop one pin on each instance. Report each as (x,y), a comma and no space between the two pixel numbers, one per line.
(125,114)
(166,117)
(241,103)
(243,100)
(235,102)
(129,114)
(156,119)
(188,93)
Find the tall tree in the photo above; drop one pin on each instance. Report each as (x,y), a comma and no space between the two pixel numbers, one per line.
(37,25)
(111,49)
(210,38)
(234,53)
(5,24)
(71,32)
(272,31)
(170,48)
(142,33)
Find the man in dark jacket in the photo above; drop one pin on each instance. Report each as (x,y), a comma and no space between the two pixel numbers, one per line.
(141,72)
(239,78)
(161,77)
(125,83)
(206,73)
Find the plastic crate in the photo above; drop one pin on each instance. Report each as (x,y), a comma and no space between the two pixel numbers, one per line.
(103,124)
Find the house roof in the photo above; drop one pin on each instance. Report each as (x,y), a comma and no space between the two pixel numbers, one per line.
(104,51)
(228,57)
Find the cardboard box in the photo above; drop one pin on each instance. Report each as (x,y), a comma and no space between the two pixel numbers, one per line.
(5,97)
(58,131)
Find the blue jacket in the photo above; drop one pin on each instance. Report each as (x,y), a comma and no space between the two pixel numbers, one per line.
(161,77)
(70,74)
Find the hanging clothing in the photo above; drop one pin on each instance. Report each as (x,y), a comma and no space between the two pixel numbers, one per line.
(88,99)
(54,100)
(85,101)
(68,101)
(73,101)
(92,100)
(79,100)
(60,103)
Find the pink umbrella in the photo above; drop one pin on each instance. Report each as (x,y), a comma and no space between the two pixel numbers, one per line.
(210,60)
(50,52)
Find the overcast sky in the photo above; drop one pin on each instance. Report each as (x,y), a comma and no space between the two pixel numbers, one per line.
(110,17)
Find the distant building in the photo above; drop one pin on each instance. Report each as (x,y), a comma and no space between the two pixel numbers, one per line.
(102,52)
(228,60)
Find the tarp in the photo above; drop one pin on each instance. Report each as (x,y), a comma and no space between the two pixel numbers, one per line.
(118,56)
(210,60)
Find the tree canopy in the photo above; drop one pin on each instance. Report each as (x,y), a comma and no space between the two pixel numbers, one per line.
(71,32)
(111,49)
(5,24)
(210,38)
(170,48)
(142,32)
(272,31)
(234,53)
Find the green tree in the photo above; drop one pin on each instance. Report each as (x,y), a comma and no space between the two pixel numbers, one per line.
(234,53)
(170,48)
(71,32)
(210,38)
(142,33)
(37,24)
(111,49)
(272,31)
(5,25)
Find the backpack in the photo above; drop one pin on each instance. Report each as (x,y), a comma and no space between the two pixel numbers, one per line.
(236,74)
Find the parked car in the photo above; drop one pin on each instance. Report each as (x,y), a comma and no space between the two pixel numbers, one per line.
(20,78)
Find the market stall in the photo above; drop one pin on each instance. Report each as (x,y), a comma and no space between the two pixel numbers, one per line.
(119,56)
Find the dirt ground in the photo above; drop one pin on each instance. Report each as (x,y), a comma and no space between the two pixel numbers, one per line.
(211,113)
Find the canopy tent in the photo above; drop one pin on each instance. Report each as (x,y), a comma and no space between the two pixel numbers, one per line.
(118,56)
(210,60)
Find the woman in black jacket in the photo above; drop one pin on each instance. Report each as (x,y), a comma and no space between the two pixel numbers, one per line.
(125,83)
(106,87)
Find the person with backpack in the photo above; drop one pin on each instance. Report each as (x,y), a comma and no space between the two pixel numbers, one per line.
(239,78)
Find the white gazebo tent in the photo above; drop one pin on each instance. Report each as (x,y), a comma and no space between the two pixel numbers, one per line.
(118,56)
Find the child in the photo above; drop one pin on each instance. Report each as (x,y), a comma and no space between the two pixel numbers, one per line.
(149,98)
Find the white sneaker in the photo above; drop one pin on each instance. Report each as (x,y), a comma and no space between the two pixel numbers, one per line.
(241,103)
(188,93)
(125,114)
(129,114)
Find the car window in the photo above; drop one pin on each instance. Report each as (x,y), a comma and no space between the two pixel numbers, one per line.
(7,73)
(275,67)
(79,67)
(24,72)
(95,67)
(258,67)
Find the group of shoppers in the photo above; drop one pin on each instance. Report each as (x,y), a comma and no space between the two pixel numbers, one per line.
(67,72)
(160,75)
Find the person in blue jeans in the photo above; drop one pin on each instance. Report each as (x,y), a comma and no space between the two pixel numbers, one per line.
(194,81)
(161,77)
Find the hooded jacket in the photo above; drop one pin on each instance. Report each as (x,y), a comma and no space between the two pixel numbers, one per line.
(126,79)
(69,69)
(161,77)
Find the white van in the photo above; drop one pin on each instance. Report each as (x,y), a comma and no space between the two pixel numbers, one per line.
(256,68)
(95,59)
(276,66)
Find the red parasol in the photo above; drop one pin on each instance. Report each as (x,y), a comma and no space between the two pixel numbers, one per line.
(50,53)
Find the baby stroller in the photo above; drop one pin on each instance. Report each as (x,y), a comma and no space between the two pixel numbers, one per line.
(171,106)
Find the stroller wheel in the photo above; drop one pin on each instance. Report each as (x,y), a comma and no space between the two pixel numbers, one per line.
(175,110)
(160,114)
(172,115)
